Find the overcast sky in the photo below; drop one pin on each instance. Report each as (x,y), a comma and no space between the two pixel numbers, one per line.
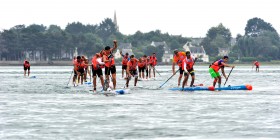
(189,18)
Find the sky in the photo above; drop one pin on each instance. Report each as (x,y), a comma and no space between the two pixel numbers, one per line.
(189,18)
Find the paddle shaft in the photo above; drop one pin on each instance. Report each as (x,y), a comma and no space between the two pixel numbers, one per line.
(169,78)
(156,70)
(70,77)
(228,76)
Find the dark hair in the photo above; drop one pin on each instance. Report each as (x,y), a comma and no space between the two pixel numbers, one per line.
(225,57)
(126,53)
(78,57)
(188,52)
(132,56)
(144,55)
(175,51)
(107,48)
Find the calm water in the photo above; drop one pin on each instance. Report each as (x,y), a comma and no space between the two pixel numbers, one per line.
(46,108)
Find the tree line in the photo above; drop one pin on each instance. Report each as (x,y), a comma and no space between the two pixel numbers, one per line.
(260,41)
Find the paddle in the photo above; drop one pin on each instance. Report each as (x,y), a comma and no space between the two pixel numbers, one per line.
(156,70)
(70,77)
(228,76)
(169,78)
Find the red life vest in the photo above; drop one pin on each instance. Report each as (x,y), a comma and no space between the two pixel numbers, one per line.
(189,63)
(179,59)
(109,64)
(132,65)
(26,65)
(79,65)
(125,60)
(153,60)
(141,64)
(257,63)
(216,66)
(95,63)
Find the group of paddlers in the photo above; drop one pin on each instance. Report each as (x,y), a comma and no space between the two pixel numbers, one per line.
(133,67)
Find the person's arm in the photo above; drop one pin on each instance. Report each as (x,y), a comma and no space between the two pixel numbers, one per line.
(173,67)
(227,65)
(223,72)
(121,54)
(115,46)
(105,59)
(100,62)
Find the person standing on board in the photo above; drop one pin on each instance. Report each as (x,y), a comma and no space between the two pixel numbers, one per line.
(26,66)
(146,60)
(215,67)
(152,64)
(257,64)
(125,59)
(141,67)
(96,68)
(108,59)
(79,69)
(86,69)
(187,66)
(131,70)
(75,74)
(178,59)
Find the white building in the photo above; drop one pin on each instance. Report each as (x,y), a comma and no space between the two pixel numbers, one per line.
(125,48)
(197,52)
(168,55)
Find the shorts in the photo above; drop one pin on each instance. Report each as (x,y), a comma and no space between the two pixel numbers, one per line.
(81,71)
(182,71)
(124,67)
(26,68)
(191,72)
(97,72)
(141,69)
(111,70)
(213,73)
(133,72)
(257,66)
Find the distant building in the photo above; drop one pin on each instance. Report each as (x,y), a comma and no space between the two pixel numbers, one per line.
(197,52)
(115,22)
(125,48)
(167,55)
(223,51)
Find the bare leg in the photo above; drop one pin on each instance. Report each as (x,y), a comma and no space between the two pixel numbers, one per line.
(185,81)
(114,80)
(179,79)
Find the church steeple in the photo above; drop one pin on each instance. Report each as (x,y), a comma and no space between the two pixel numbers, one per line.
(115,21)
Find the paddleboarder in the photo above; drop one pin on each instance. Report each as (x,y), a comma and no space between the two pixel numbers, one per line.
(26,66)
(97,66)
(125,59)
(215,67)
(110,68)
(152,64)
(187,66)
(131,70)
(178,59)
(257,64)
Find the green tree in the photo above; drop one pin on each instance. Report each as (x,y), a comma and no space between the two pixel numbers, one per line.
(256,25)
(216,37)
